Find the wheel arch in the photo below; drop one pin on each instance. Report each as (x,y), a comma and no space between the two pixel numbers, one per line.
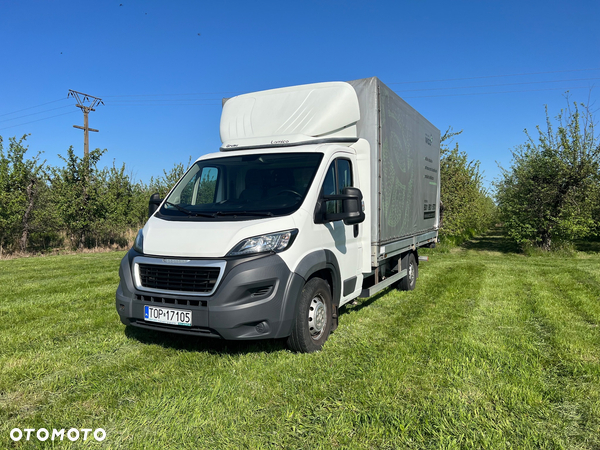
(322,264)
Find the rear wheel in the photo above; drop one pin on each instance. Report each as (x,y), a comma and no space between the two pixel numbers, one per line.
(312,323)
(409,263)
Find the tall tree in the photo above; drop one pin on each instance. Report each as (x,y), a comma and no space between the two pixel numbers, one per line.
(20,181)
(550,194)
(76,193)
(466,207)
(163,184)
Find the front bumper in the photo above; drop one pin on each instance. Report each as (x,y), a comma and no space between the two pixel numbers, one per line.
(255,299)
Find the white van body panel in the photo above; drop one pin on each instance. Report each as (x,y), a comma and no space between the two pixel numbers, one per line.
(205,239)
(290,115)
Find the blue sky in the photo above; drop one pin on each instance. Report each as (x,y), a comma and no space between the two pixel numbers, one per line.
(162,67)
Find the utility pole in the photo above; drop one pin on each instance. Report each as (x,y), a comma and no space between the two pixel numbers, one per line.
(93,101)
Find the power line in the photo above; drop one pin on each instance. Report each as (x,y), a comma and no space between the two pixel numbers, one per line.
(33,114)
(165,104)
(167,95)
(38,120)
(498,92)
(494,76)
(497,85)
(399,82)
(148,102)
(32,107)
(113,102)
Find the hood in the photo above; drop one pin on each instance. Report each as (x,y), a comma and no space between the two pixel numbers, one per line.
(205,239)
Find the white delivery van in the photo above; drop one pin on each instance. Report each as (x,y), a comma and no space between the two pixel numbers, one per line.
(320,194)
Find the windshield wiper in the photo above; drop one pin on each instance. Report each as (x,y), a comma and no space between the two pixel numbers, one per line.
(180,208)
(244,213)
(220,213)
(188,212)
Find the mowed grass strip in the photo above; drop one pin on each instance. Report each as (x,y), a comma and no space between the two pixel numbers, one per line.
(492,350)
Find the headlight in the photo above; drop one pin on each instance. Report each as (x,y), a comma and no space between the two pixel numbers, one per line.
(274,242)
(138,244)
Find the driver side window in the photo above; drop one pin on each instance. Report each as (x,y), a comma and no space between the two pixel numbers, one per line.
(339,176)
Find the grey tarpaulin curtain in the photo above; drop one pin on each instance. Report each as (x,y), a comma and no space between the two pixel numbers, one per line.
(405,163)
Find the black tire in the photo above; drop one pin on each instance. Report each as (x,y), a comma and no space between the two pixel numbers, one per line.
(312,323)
(409,263)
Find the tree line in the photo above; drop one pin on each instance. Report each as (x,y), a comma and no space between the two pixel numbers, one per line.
(76,205)
(467,208)
(80,205)
(550,194)
(548,198)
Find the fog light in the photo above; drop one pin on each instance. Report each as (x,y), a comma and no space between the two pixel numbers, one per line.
(121,307)
(262,327)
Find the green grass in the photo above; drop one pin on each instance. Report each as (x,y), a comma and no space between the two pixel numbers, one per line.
(492,350)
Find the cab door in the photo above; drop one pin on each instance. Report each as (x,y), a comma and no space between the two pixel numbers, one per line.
(343,240)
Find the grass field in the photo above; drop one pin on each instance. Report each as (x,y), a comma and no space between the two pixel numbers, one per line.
(492,350)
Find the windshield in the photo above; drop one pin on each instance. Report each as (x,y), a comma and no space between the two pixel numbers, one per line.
(243,187)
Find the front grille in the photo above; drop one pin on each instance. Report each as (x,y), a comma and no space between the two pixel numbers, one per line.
(177,278)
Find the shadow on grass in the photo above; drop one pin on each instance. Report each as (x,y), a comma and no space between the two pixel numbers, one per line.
(493,241)
(363,303)
(496,241)
(204,344)
(591,245)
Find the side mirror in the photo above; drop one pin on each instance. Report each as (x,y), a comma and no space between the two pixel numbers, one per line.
(352,210)
(154,203)
(353,206)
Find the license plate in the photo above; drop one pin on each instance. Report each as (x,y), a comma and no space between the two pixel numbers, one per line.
(168,315)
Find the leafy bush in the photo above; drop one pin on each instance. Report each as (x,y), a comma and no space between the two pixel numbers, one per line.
(77,195)
(467,209)
(551,193)
(77,205)
(21,180)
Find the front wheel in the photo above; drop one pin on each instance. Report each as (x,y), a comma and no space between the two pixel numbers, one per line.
(312,323)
